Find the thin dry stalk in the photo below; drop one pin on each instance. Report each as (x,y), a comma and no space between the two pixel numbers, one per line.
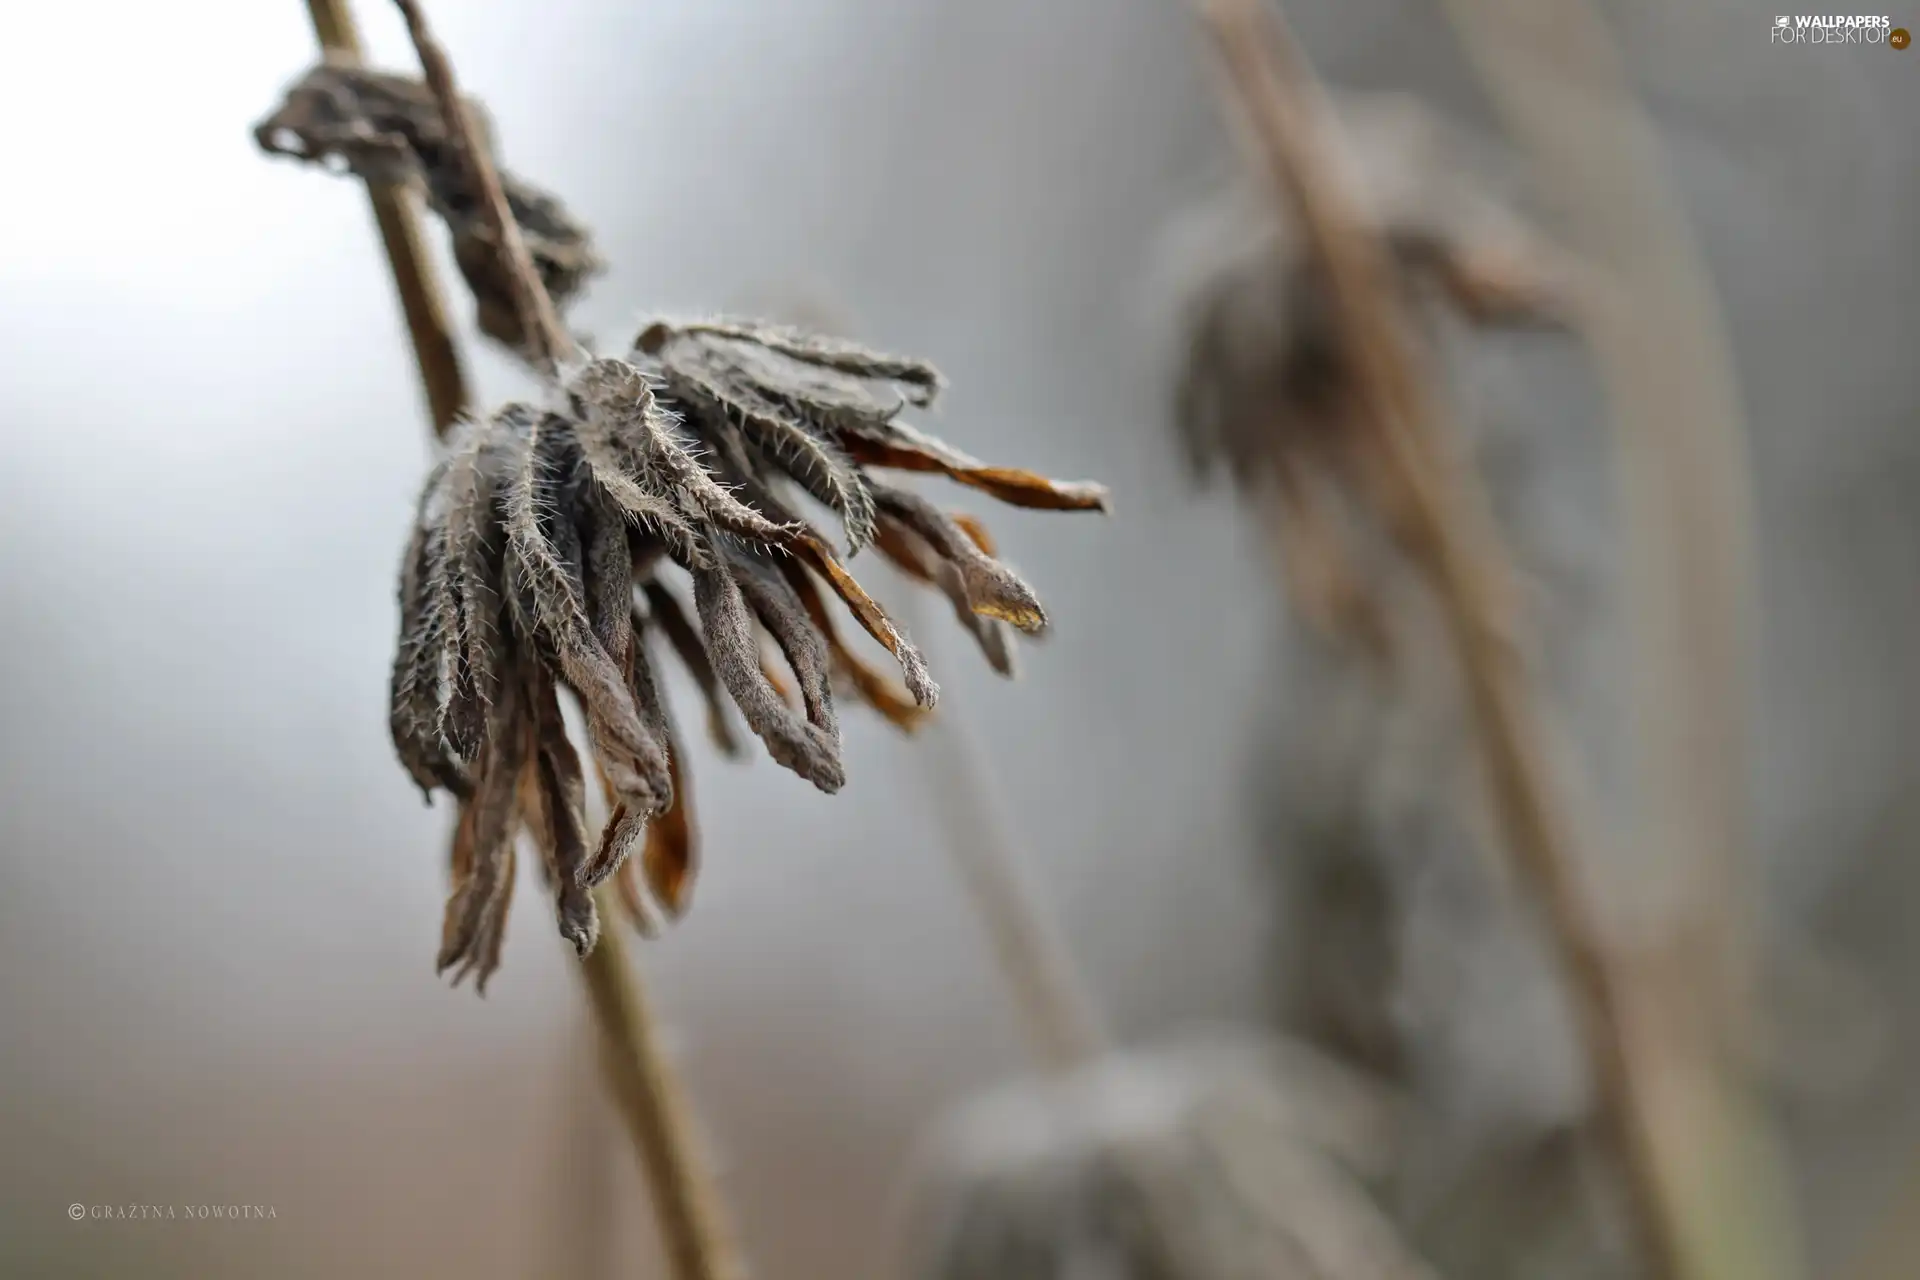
(413,276)
(1651,321)
(1433,507)
(1058,1018)
(693,1227)
(547,339)
(685,1195)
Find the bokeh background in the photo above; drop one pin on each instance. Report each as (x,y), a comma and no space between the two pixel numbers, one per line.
(219,896)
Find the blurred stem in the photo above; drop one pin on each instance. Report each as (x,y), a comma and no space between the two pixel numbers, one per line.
(413,276)
(1654,327)
(685,1195)
(1432,505)
(1057,1014)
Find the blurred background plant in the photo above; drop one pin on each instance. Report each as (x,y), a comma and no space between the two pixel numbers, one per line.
(213,874)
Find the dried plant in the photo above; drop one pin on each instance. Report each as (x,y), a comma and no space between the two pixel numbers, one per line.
(536,530)
(545,539)
(1650,319)
(1219,1159)
(1266,390)
(1404,475)
(388,129)
(537,554)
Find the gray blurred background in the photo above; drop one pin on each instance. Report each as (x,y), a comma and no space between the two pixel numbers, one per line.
(219,895)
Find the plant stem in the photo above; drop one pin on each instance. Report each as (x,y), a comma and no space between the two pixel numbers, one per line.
(685,1195)
(693,1225)
(413,276)
(1058,1017)
(1654,328)
(548,341)
(1438,516)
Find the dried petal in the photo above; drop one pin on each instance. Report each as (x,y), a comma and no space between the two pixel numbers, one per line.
(389,129)
(541,505)
(901,448)
(730,641)
(604,443)
(875,689)
(707,379)
(617,395)
(559,822)
(478,900)
(429,644)
(473,544)
(670,859)
(665,611)
(922,381)
(991,587)
(908,552)
(810,548)
(781,612)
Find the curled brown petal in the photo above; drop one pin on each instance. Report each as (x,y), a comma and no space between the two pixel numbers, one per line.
(622,837)
(911,555)
(922,380)
(992,588)
(558,819)
(665,611)
(670,858)
(874,689)
(548,554)
(605,432)
(974,529)
(478,899)
(810,548)
(735,650)
(483,957)
(784,616)
(420,662)
(629,823)
(607,563)
(616,394)
(701,378)
(901,448)
(472,548)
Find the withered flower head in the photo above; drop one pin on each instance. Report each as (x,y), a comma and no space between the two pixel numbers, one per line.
(542,557)
(388,129)
(1264,389)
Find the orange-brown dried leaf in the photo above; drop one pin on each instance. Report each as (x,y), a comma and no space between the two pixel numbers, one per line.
(810,548)
(875,689)
(903,551)
(460,865)
(669,856)
(1011,485)
(978,532)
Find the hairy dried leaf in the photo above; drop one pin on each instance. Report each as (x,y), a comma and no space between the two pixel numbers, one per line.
(991,587)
